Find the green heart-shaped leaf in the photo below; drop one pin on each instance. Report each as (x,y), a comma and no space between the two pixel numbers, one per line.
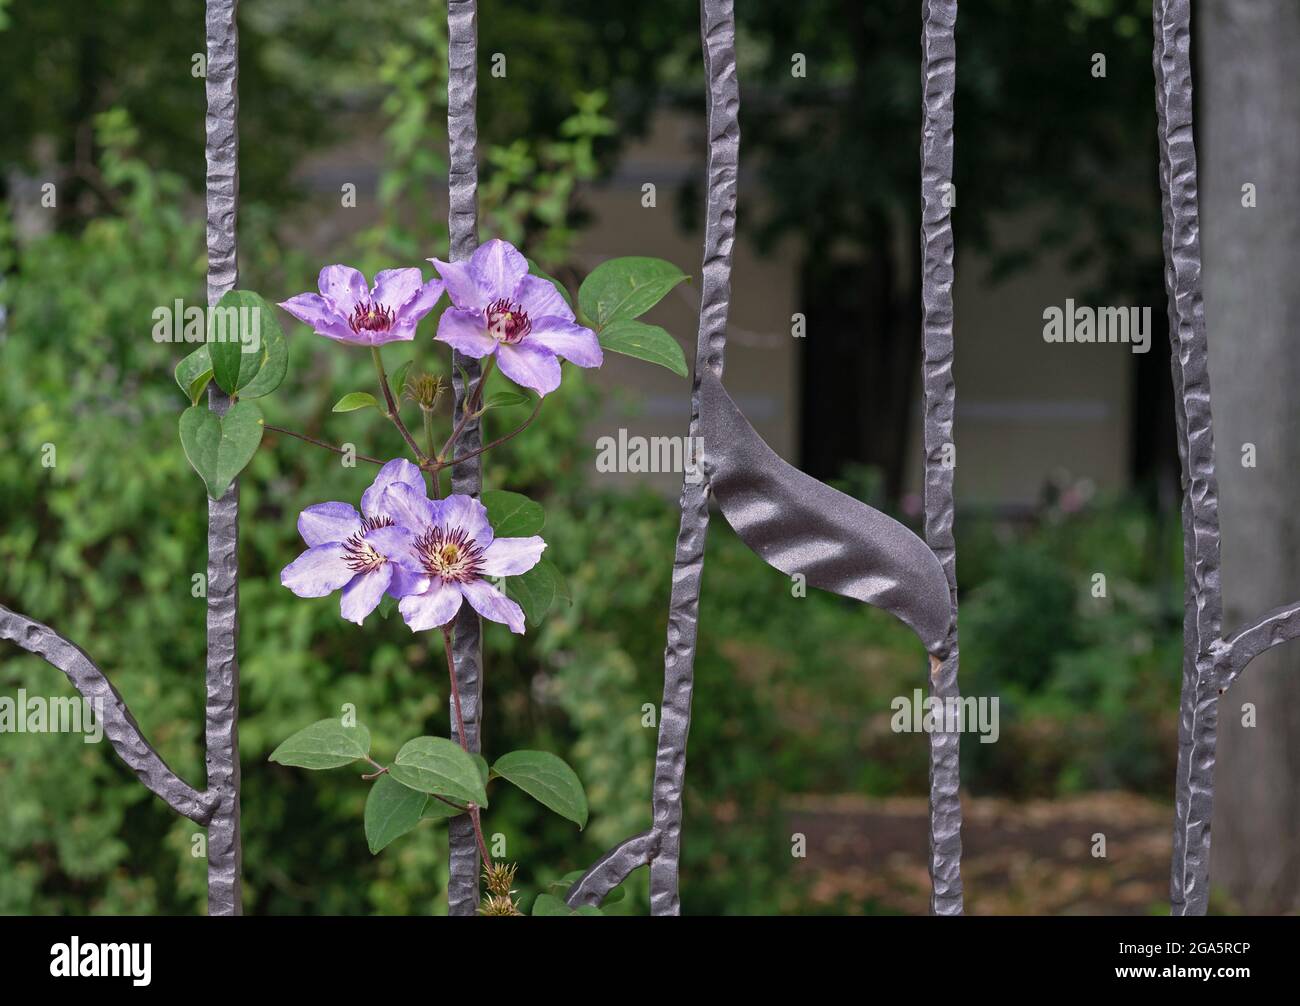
(391,811)
(193,374)
(534,591)
(624,288)
(548,780)
(645,342)
(324,744)
(513,515)
(246,344)
(438,765)
(219,447)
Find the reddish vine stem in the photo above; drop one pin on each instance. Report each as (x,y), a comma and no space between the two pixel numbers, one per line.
(471,407)
(437,466)
(460,736)
(319,443)
(393,412)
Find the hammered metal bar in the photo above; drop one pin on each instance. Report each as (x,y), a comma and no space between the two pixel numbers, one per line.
(718,37)
(119,725)
(466,477)
(222,150)
(938,83)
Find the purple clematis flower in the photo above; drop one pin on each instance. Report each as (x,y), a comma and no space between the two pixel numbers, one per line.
(451,549)
(498,308)
(355,551)
(348,310)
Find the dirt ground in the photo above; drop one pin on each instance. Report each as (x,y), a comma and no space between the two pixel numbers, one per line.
(1030,858)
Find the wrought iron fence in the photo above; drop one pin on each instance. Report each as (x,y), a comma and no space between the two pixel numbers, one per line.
(796,524)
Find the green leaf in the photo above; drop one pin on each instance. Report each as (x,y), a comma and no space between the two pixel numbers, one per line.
(391,811)
(219,447)
(625,288)
(397,382)
(193,374)
(548,780)
(436,810)
(324,744)
(504,400)
(274,355)
(244,337)
(561,584)
(354,400)
(534,591)
(438,765)
(549,904)
(513,515)
(645,342)
(537,271)
(387,605)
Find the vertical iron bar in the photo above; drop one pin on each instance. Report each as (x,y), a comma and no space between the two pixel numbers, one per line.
(225,896)
(938,81)
(467,477)
(1202,624)
(718,37)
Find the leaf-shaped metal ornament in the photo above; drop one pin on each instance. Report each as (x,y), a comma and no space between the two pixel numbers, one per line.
(801,526)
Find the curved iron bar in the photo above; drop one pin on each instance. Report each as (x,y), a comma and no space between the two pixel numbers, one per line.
(613,868)
(466,476)
(938,82)
(119,725)
(1278,626)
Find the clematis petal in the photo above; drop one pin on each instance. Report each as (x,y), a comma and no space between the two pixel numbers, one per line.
(468,514)
(465,331)
(498,267)
(393,543)
(318,571)
(407,581)
(421,303)
(314,310)
(491,603)
(530,366)
(397,470)
(432,609)
(462,285)
(408,506)
(565,339)
(344,286)
(363,594)
(541,300)
(511,556)
(394,287)
(327,522)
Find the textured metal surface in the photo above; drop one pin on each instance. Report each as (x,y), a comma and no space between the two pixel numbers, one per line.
(661,846)
(222,153)
(613,868)
(119,725)
(467,642)
(718,39)
(938,86)
(1210,663)
(801,526)
(1198,708)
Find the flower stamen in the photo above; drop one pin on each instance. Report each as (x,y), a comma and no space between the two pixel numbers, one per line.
(358,553)
(508,322)
(449,553)
(370,317)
